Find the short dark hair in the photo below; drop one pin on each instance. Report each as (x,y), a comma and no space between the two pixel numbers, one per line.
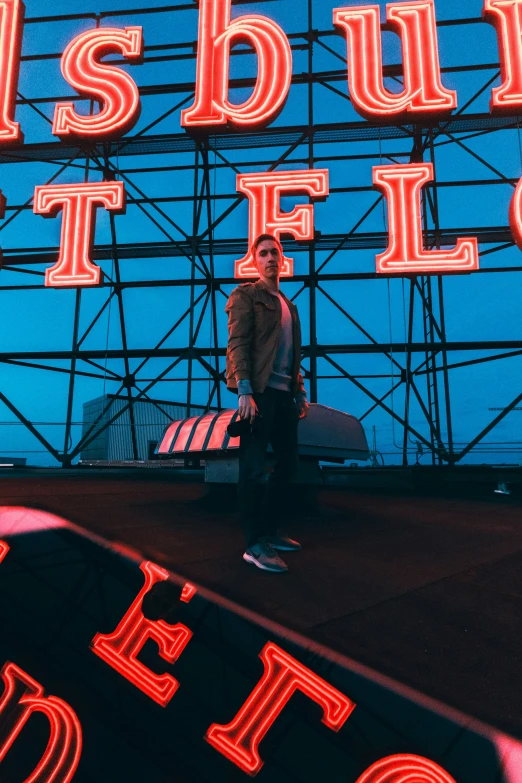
(263,238)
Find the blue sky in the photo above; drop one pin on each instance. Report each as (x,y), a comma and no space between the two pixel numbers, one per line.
(477,307)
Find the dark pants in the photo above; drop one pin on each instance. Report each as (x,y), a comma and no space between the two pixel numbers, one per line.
(263,504)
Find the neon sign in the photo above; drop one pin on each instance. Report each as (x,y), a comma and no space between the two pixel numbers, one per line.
(217,34)
(422,98)
(264,191)
(423,93)
(401,185)
(515,214)
(506,18)
(115,89)
(11,32)
(78,203)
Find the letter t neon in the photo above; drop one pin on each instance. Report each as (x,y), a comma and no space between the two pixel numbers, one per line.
(79,203)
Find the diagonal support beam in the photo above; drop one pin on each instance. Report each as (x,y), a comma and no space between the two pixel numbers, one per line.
(45,443)
(488,429)
(381,404)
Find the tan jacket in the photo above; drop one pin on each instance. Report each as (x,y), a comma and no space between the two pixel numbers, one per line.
(254,328)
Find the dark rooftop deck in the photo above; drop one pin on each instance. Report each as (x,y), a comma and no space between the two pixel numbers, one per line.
(424,588)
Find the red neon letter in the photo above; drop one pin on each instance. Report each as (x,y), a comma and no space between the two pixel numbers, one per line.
(121,648)
(239,740)
(4,549)
(21,698)
(402,185)
(264,191)
(423,93)
(506,18)
(79,202)
(405,769)
(515,214)
(216,36)
(3,202)
(114,88)
(11,32)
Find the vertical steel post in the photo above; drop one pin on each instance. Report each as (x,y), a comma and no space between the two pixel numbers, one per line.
(194,240)
(407,379)
(428,324)
(442,317)
(313,279)
(212,288)
(128,381)
(66,462)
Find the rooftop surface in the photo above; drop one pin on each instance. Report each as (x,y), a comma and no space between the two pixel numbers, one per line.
(426,589)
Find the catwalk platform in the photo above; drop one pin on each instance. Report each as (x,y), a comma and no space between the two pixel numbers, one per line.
(421,587)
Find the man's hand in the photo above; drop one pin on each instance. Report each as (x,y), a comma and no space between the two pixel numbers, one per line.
(304,408)
(247,407)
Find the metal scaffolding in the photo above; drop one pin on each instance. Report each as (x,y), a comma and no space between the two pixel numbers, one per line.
(200,238)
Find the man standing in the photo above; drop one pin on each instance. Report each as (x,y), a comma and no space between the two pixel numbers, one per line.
(263,360)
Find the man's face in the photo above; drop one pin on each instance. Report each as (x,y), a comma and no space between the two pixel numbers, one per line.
(268,258)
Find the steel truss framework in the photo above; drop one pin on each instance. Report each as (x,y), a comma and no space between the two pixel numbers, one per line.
(421,364)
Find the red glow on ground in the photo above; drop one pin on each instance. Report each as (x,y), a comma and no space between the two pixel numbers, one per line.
(283,675)
(16,520)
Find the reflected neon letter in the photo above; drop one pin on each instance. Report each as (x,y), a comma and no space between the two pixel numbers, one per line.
(11,32)
(283,675)
(188,592)
(402,185)
(506,18)
(264,191)
(79,203)
(121,648)
(217,34)
(112,87)
(423,93)
(405,768)
(22,697)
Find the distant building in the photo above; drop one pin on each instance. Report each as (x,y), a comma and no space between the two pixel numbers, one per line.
(151,417)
